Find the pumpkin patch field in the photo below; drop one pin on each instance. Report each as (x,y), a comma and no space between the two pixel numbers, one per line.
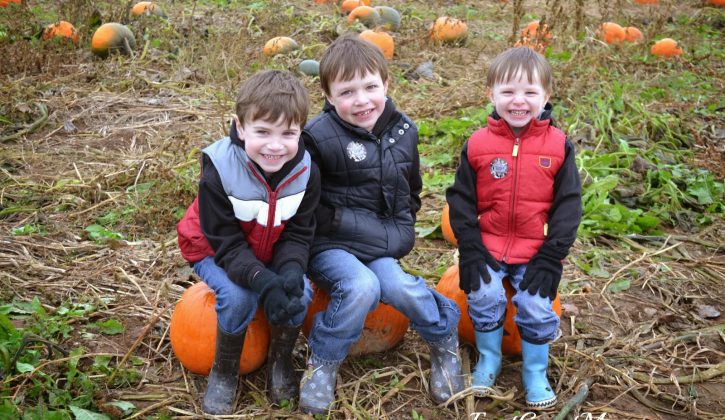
(105,106)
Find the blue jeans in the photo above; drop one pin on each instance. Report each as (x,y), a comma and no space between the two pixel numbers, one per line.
(537,321)
(236,305)
(355,289)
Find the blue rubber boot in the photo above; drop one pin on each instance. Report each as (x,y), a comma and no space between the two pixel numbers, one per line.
(489,360)
(539,394)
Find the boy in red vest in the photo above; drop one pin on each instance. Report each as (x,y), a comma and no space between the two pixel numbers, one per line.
(248,232)
(515,207)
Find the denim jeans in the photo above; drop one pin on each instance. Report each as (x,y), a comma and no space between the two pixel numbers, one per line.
(236,305)
(537,321)
(355,289)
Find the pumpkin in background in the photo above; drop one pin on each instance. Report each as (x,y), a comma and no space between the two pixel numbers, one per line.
(279,45)
(448,234)
(384,327)
(719,3)
(380,39)
(646,1)
(4,3)
(447,29)
(531,31)
(665,47)
(146,7)
(350,5)
(511,345)
(112,37)
(611,33)
(365,14)
(633,34)
(389,18)
(194,327)
(61,29)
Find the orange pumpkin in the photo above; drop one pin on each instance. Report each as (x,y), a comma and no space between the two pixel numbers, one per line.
(611,33)
(665,47)
(279,45)
(448,287)
(531,43)
(194,327)
(633,34)
(531,31)
(365,14)
(718,3)
(448,234)
(146,7)
(646,1)
(380,39)
(350,5)
(4,3)
(447,29)
(384,327)
(61,29)
(112,37)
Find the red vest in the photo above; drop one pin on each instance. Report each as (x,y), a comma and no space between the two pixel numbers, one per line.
(515,185)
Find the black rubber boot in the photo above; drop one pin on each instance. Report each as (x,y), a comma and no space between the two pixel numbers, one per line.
(224,375)
(282,382)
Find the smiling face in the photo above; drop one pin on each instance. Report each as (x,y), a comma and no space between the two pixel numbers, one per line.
(269,145)
(518,101)
(359,101)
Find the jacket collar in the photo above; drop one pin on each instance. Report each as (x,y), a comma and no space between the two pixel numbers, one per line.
(498,125)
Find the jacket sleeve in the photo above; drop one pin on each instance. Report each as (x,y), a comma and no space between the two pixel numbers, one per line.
(415,182)
(222,230)
(293,245)
(462,202)
(566,210)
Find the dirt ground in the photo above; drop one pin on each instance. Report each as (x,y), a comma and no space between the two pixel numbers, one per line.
(122,136)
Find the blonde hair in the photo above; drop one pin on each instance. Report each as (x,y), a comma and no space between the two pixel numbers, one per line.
(267,95)
(520,61)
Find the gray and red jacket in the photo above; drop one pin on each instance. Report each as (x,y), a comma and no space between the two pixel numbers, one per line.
(246,221)
(517,192)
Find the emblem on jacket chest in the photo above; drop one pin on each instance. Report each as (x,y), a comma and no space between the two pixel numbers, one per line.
(499,168)
(356,151)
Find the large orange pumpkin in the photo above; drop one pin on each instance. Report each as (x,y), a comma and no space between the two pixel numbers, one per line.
(448,234)
(448,287)
(384,327)
(112,37)
(612,33)
(531,31)
(61,29)
(4,3)
(448,29)
(665,47)
(193,333)
(380,39)
(633,34)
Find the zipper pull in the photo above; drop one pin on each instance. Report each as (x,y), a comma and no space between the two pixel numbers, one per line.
(516,148)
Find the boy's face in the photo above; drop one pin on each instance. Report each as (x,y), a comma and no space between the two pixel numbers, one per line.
(517,101)
(359,101)
(269,145)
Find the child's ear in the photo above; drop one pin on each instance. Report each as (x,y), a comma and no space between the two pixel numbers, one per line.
(489,94)
(238,127)
(385,86)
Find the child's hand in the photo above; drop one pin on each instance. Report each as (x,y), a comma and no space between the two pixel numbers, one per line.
(543,274)
(278,305)
(294,281)
(472,265)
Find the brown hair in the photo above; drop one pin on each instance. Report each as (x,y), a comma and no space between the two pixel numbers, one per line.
(520,60)
(349,56)
(269,94)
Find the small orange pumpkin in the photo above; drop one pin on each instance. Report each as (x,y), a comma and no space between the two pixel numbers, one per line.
(146,7)
(511,345)
(447,29)
(611,33)
(380,39)
(531,31)
(448,234)
(4,3)
(367,15)
(61,29)
(384,327)
(193,333)
(633,34)
(279,45)
(350,5)
(112,37)
(665,47)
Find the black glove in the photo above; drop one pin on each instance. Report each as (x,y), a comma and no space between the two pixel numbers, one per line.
(278,306)
(543,274)
(294,279)
(324,216)
(472,263)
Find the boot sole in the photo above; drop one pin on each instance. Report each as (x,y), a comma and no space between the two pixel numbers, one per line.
(540,405)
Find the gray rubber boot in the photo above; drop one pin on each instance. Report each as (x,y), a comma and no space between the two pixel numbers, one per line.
(445,369)
(317,388)
(222,386)
(281,381)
